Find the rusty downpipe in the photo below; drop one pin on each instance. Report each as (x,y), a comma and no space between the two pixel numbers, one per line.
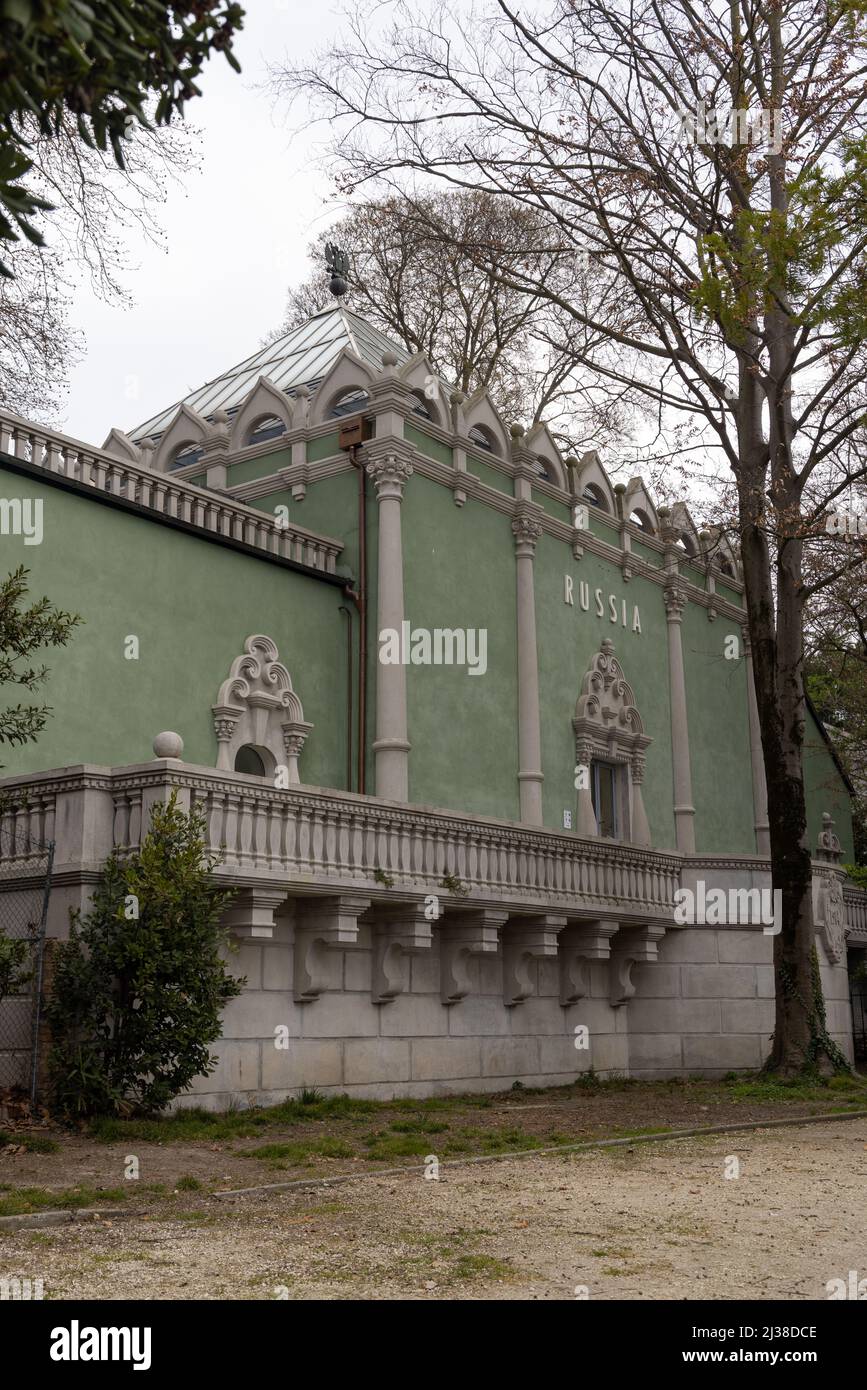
(360,600)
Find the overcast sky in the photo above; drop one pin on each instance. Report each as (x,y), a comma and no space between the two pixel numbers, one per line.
(236,238)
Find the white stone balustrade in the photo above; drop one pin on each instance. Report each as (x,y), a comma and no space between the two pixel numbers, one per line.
(160,492)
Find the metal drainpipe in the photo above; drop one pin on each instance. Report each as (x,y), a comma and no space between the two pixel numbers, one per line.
(349,684)
(360,601)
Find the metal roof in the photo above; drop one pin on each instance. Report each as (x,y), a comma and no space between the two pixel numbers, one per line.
(302,356)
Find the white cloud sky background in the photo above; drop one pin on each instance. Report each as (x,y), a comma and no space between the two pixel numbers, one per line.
(236,238)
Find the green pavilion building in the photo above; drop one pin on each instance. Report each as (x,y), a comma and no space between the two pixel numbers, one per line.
(473,732)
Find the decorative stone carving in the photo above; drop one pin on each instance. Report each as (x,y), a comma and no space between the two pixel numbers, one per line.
(390,474)
(526,530)
(397,936)
(674,599)
(579,945)
(608,725)
(525,940)
(168,745)
(834,919)
(322,926)
(473,934)
(256,705)
(829,846)
(632,944)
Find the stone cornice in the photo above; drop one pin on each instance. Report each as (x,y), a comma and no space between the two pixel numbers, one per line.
(505,504)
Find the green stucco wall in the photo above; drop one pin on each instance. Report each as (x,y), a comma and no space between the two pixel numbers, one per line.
(719,734)
(459,568)
(191,603)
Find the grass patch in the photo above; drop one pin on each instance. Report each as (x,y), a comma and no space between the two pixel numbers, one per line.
(383,1145)
(773,1091)
(418,1126)
(23,1200)
(303,1151)
(481,1267)
(189,1184)
(31,1143)
(495,1141)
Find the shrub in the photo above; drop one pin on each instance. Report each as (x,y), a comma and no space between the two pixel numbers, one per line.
(140,984)
(14,975)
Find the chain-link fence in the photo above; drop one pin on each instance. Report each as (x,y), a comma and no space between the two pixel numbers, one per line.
(25,883)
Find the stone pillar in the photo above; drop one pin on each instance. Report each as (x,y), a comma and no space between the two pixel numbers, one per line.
(527,531)
(391,746)
(684,811)
(640,828)
(760,788)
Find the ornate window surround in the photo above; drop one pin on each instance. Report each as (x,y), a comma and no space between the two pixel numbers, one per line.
(608,727)
(257,706)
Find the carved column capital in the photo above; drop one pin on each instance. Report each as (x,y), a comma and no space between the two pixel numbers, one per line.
(390,474)
(674,599)
(526,530)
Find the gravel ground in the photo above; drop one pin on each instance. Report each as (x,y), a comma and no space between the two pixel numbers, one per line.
(655,1220)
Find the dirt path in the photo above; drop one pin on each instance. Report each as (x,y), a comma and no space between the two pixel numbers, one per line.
(653,1221)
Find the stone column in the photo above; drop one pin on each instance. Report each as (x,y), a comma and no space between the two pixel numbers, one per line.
(760,788)
(527,531)
(684,811)
(391,746)
(640,828)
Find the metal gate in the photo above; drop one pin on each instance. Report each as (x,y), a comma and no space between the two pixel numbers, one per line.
(25,886)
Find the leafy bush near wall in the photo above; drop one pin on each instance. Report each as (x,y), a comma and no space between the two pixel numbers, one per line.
(140,984)
(857,873)
(14,973)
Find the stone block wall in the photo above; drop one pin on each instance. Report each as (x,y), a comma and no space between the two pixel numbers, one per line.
(705,1007)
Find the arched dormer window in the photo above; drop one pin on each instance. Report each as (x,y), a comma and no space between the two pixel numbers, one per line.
(258,718)
(640,518)
(425,407)
(349,403)
(483,438)
(269,428)
(185,456)
(595,496)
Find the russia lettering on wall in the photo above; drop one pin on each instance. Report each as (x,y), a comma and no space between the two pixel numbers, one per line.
(616,607)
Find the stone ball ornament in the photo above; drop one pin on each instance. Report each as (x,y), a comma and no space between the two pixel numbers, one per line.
(168,745)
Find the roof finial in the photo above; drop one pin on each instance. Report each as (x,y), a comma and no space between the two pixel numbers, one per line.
(337,262)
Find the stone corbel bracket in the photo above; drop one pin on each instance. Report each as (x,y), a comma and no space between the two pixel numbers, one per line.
(526,940)
(251,916)
(632,944)
(331,924)
(474,934)
(397,936)
(579,945)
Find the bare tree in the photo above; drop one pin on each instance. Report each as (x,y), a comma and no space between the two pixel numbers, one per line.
(427,269)
(710,156)
(95,203)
